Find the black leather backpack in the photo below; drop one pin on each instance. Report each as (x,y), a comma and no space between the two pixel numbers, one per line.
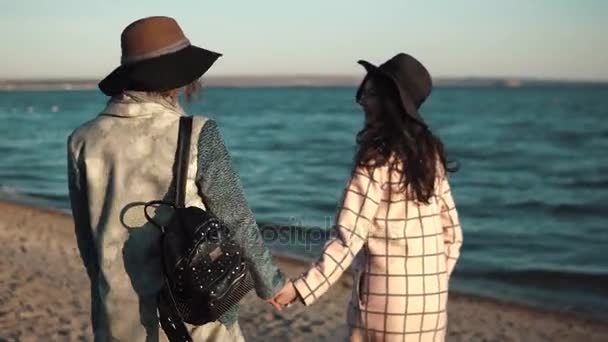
(204,269)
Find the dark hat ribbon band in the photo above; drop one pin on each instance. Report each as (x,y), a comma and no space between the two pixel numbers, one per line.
(179,45)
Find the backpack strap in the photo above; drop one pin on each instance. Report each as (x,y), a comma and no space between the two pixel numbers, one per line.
(170,320)
(182,160)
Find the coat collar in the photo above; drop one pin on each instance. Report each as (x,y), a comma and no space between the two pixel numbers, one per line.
(137,104)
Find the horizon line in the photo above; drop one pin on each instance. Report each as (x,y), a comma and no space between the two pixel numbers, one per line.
(252,81)
(320,76)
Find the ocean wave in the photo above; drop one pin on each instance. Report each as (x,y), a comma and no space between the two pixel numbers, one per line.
(595,282)
(52,200)
(9,190)
(562,209)
(12,193)
(466,153)
(585,183)
(25,176)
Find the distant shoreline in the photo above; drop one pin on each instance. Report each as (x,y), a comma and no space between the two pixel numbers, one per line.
(300,81)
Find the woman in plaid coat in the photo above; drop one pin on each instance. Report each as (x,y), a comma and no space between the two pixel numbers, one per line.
(397,224)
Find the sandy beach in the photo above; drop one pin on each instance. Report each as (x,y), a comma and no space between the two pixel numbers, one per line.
(44,297)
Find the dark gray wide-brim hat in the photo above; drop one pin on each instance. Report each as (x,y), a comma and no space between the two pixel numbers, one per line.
(156,56)
(411,79)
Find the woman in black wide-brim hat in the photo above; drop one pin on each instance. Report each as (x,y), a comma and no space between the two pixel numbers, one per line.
(397,222)
(124,157)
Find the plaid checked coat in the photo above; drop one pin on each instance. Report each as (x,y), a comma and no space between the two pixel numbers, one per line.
(403,253)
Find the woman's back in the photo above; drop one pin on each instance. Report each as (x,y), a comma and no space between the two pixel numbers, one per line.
(125,158)
(407,229)
(121,159)
(403,276)
(407,251)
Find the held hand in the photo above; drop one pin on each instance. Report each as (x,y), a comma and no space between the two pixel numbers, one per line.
(276,305)
(285,296)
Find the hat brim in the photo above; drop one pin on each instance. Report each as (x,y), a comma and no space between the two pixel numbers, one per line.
(161,73)
(406,101)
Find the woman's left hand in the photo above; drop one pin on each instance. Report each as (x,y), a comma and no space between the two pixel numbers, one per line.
(286,295)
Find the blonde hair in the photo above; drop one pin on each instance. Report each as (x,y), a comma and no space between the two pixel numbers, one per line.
(191,90)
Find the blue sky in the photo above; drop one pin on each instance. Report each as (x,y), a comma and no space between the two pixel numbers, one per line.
(556,39)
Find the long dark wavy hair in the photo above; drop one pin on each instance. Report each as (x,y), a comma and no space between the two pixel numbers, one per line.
(393,133)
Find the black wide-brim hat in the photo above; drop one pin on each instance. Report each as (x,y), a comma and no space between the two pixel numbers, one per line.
(156,56)
(409,77)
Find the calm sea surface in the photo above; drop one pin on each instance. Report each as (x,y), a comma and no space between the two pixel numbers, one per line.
(532,191)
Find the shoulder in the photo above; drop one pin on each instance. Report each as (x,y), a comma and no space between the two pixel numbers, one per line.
(210,142)
(87,132)
(209,131)
(375,170)
(372,173)
(199,122)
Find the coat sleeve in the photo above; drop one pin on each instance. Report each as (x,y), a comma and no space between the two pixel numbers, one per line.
(80,212)
(353,223)
(220,186)
(452,232)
